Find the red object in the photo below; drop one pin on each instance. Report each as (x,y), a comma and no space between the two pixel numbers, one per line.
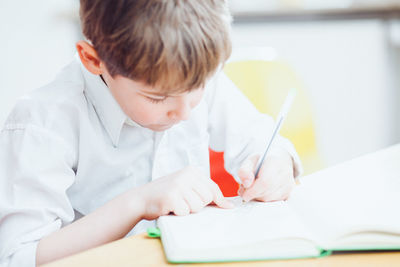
(225,181)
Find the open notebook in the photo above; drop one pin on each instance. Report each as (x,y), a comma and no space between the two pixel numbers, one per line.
(351,206)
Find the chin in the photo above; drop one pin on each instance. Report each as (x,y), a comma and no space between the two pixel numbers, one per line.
(160,128)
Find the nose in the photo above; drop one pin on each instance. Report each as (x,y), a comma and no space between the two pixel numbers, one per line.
(181,109)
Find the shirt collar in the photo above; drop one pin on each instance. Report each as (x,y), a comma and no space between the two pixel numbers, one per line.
(107,108)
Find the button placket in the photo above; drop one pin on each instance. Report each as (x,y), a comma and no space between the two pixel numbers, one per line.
(157,168)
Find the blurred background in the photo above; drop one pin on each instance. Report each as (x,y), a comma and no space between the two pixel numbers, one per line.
(345,53)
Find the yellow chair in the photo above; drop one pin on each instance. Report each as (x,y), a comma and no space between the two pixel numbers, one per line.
(266,82)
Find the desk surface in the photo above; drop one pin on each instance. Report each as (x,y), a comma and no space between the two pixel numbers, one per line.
(141,250)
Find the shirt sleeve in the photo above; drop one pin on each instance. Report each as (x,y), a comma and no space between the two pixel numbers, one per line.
(35,172)
(238,128)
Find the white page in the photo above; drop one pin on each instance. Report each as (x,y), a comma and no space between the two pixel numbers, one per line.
(245,224)
(356,196)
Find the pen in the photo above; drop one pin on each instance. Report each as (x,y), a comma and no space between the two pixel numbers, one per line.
(281,117)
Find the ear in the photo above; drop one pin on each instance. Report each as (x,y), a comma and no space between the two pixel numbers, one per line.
(89,57)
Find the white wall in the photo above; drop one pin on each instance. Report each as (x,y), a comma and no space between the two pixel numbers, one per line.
(37,39)
(346,66)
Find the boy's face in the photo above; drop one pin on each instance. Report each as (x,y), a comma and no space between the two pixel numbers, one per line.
(144,105)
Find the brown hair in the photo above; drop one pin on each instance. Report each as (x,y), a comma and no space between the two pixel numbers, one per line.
(173,45)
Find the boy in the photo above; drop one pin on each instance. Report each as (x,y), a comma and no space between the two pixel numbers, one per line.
(121,135)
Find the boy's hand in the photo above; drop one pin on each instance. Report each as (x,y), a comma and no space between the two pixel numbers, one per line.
(181,193)
(275,180)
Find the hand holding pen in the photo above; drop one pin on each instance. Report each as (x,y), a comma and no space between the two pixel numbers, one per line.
(269,177)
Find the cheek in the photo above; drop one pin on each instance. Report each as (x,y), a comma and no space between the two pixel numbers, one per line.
(145,113)
(134,105)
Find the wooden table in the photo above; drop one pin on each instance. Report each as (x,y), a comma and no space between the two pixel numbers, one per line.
(141,250)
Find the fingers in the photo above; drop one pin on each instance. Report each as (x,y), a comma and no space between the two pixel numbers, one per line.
(193,201)
(181,207)
(219,198)
(246,171)
(282,193)
(257,189)
(184,192)
(271,185)
(240,190)
(200,196)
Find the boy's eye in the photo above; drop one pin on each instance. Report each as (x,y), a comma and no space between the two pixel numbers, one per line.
(156,100)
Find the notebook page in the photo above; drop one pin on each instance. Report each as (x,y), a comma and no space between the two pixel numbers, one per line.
(356,196)
(245,224)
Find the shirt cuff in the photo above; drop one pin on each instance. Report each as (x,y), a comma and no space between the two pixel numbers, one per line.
(25,256)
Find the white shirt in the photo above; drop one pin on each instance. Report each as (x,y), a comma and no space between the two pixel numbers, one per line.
(67,148)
